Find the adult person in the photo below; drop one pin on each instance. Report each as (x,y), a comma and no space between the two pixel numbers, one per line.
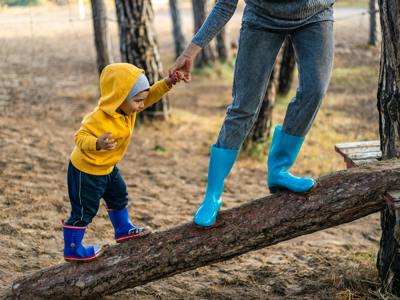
(265,24)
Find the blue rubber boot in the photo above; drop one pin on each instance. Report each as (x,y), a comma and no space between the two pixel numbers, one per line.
(282,155)
(123,228)
(221,162)
(74,250)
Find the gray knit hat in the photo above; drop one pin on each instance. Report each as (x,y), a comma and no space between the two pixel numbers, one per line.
(140,85)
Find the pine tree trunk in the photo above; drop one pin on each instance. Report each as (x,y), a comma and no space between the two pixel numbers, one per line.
(207,55)
(372,22)
(138,46)
(341,197)
(101,35)
(287,68)
(262,127)
(222,49)
(179,38)
(388,261)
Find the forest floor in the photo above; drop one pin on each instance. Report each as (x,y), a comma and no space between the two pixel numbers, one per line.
(48,82)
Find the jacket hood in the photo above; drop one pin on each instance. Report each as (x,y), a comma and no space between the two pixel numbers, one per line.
(116,81)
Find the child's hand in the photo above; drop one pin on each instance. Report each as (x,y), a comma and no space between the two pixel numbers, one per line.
(174,78)
(105,143)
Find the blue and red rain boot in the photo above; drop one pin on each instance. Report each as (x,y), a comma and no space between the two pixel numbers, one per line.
(74,250)
(282,155)
(123,228)
(221,162)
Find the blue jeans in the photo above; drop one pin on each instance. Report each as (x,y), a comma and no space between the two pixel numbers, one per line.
(258,48)
(86,190)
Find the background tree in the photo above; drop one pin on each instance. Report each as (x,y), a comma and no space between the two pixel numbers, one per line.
(288,65)
(262,127)
(138,45)
(372,22)
(388,261)
(222,50)
(207,55)
(101,34)
(179,38)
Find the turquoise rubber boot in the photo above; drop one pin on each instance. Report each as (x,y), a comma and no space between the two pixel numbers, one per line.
(221,162)
(282,155)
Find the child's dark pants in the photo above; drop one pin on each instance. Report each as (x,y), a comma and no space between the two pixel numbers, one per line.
(85,192)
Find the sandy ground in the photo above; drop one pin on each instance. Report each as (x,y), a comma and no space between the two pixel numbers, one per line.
(48,81)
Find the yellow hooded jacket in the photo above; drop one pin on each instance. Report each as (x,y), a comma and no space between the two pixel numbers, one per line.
(116,81)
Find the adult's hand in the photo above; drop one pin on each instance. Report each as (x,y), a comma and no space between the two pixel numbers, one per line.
(184,63)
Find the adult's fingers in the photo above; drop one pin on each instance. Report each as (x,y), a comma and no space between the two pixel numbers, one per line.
(182,64)
(177,65)
(187,70)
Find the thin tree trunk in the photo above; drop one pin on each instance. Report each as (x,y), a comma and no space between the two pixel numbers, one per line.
(288,65)
(138,45)
(207,55)
(341,197)
(261,129)
(388,261)
(372,23)
(179,38)
(222,50)
(101,34)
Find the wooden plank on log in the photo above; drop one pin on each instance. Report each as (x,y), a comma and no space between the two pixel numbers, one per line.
(370,155)
(338,198)
(395,195)
(359,153)
(368,144)
(355,151)
(360,162)
(392,198)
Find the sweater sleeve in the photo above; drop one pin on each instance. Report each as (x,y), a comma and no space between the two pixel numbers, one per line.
(216,20)
(157,90)
(85,137)
(85,140)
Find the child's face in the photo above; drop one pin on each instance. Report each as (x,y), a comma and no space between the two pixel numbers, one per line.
(134,104)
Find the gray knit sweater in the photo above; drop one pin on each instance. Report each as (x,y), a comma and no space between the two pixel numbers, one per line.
(265,14)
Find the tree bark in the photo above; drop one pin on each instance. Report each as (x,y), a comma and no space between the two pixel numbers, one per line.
(222,50)
(138,46)
(372,23)
(261,129)
(207,55)
(341,197)
(287,68)
(101,35)
(179,38)
(388,261)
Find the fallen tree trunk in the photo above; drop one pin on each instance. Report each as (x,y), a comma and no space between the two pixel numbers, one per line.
(341,197)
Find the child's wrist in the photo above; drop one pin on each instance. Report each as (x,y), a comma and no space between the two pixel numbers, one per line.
(169,82)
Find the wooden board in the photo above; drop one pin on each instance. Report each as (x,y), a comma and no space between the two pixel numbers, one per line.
(359,153)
